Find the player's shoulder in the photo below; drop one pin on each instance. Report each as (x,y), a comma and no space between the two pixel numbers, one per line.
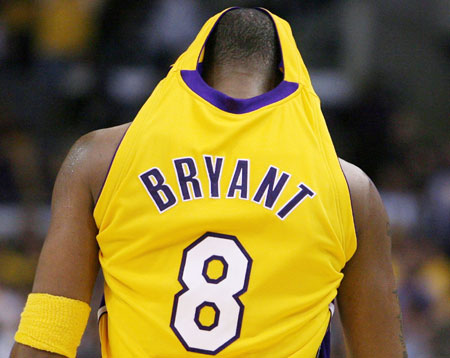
(364,195)
(92,153)
(102,138)
(358,181)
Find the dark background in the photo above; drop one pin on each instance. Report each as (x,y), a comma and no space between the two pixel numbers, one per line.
(380,67)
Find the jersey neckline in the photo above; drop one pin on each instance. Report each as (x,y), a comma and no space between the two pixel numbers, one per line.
(196,83)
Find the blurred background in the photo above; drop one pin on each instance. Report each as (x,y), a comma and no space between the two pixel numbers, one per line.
(381,68)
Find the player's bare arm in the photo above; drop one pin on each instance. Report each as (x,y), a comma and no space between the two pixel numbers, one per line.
(367,298)
(68,264)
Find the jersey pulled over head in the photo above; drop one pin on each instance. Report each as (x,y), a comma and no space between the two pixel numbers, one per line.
(225,223)
(243,38)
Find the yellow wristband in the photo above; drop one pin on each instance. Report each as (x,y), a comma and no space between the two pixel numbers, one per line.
(53,323)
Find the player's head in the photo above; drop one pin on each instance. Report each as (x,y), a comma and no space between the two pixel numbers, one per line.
(243,38)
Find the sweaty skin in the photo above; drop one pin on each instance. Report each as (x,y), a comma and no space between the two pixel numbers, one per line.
(367,297)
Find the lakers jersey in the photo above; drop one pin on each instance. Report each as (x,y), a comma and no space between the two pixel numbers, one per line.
(224,224)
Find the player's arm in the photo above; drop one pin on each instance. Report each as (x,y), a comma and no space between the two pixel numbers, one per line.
(68,265)
(367,298)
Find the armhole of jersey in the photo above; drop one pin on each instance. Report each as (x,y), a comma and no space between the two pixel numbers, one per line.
(110,165)
(103,334)
(119,164)
(349,255)
(120,160)
(347,232)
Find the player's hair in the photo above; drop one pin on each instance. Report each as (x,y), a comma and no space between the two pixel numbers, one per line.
(244,36)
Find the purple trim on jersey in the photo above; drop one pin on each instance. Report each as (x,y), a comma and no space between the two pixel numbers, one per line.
(102,304)
(349,193)
(110,165)
(220,100)
(325,347)
(235,105)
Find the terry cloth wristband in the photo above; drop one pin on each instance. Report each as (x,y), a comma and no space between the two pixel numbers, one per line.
(53,323)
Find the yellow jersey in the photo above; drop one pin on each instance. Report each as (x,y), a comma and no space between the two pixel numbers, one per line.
(224,224)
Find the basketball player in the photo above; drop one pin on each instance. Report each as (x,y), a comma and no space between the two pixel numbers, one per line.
(224,226)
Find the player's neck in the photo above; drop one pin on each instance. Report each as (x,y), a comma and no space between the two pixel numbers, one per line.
(241,82)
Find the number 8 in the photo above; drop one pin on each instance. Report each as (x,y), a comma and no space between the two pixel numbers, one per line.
(221,294)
